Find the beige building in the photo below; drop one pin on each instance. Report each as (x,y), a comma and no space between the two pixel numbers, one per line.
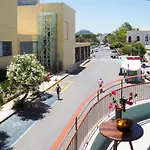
(52,25)
(46,29)
(8,31)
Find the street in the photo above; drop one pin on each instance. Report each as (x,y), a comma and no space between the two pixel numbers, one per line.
(39,132)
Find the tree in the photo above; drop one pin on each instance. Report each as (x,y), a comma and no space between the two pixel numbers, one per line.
(25,73)
(119,36)
(127,26)
(140,49)
(135,49)
(127,50)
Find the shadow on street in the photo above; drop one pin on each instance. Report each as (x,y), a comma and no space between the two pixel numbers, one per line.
(3,141)
(36,109)
(33,111)
(78,70)
(44,96)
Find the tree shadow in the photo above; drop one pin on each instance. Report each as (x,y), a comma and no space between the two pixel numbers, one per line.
(33,111)
(4,140)
(77,71)
(43,96)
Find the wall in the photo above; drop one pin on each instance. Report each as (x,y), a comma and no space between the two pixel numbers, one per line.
(82,44)
(68,36)
(141,34)
(27,21)
(8,28)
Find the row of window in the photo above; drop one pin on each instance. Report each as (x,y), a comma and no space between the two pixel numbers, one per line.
(25,47)
(5,48)
(137,38)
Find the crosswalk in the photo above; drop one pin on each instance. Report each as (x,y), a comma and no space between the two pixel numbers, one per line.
(105,59)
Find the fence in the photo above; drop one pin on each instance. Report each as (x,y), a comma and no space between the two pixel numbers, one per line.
(93,110)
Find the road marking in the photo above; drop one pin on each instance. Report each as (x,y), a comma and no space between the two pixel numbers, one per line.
(16,124)
(23,134)
(67,87)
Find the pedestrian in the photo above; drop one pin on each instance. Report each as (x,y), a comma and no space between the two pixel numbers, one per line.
(100,82)
(58,90)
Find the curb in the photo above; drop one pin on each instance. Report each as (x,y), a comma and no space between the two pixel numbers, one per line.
(11,114)
(56,83)
(84,63)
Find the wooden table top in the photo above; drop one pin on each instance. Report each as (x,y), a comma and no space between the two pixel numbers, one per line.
(109,130)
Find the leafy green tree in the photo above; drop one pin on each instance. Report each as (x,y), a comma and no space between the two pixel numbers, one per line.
(127,26)
(119,36)
(139,49)
(25,73)
(135,49)
(127,50)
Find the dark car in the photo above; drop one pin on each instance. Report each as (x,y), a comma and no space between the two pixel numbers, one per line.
(114,56)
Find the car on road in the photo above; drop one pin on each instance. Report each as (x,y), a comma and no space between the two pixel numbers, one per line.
(96,50)
(114,56)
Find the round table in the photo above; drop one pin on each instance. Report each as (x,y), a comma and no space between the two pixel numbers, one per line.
(109,130)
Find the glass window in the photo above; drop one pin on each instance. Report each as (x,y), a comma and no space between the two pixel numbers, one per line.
(5,48)
(28,47)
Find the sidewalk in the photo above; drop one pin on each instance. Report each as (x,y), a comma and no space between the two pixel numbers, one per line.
(7,111)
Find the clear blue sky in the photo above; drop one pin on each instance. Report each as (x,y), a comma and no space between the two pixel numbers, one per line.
(103,16)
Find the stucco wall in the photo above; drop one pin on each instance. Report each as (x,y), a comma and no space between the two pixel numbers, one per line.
(68,36)
(141,34)
(27,22)
(8,28)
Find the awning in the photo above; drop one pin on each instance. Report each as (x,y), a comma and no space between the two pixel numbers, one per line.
(132,65)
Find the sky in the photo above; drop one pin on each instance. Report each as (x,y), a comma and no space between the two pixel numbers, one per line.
(105,16)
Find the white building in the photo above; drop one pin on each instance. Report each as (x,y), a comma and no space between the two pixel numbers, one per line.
(142,36)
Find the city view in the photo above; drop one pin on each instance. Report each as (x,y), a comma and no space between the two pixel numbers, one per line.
(74,75)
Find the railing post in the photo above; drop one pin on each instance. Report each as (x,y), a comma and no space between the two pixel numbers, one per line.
(76,138)
(97,95)
(121,89)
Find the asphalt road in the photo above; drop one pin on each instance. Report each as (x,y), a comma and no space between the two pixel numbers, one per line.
(39,129)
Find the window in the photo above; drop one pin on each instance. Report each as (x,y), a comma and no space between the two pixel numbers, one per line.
(137,38)
(146,38)
(28,47)
(6,48)
(66,28)
(129,39)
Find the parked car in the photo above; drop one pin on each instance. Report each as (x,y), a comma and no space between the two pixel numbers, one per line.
(114,56)
(96,50)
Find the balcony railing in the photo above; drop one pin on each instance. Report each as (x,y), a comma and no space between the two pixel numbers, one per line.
(93,110)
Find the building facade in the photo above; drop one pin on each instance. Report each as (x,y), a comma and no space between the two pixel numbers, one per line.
(138,36)
(8,31)
(48,30)
(82,52)
(53,28)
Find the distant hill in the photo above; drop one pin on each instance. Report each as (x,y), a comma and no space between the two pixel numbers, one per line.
(84,31)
